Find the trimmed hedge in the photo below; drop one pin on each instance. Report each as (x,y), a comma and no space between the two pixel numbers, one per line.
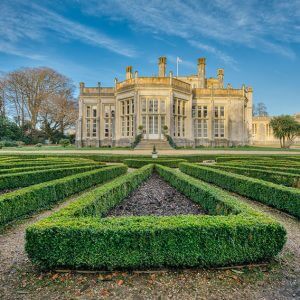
(138,163)
(78,237)
(284,178)
(17,180)
(271,157)
(283,198)
(39,168)
(40,196)
(286,169)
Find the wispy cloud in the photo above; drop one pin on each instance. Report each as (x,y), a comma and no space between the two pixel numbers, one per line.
(269,26)
(21,22)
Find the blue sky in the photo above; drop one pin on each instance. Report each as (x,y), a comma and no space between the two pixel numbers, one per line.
(256,42)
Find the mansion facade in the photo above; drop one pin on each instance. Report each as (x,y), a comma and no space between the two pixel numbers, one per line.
(194,110)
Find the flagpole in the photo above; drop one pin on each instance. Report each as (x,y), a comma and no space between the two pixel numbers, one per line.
(177,67)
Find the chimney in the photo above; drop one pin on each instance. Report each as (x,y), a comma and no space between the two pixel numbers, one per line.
(201,72)
(221,78)
(162,64)
(128,72)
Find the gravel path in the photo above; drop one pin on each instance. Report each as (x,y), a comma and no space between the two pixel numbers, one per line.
(279,280)
(156,197)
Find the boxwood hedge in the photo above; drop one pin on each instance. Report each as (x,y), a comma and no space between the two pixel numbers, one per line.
(287,168)
(80,236)
(283,198)
(284,178)
(16,180)
(22,202)
(138,163)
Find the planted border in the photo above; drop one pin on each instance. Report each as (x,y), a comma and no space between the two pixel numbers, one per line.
(283,198)
(79,237)
(40,196)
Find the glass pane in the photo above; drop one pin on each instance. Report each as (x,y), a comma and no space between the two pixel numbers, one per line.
(155,124)
(144,103)
(155,102)
(150,124)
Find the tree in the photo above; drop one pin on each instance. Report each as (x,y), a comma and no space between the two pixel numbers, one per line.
(27,90)
(9,130)
(260,110)
(286,129)
(58,114)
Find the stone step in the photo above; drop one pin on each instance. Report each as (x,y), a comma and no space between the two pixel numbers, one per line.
(148,145)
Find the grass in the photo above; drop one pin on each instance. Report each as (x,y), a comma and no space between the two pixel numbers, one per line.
(73,147)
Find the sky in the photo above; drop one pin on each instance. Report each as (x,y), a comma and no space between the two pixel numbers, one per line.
(257,42)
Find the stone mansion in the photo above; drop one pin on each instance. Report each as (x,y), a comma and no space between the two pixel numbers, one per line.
(194,110)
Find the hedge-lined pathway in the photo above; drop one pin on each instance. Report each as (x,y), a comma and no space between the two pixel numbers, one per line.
(19,279)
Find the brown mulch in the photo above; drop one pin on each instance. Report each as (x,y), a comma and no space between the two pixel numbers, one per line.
(156,197)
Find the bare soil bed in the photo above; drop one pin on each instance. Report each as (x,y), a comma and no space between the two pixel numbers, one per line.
(156,197)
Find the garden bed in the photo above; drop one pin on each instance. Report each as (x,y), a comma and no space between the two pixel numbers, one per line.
(80,236)
(156,197)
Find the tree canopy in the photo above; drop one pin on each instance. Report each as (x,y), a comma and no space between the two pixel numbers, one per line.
(286,129)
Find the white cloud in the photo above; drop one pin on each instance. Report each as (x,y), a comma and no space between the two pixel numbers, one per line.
(22,22)
(269,26)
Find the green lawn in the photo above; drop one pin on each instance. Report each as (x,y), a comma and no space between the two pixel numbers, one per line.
(73,147)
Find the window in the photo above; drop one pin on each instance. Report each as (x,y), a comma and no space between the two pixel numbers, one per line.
(201,121)
(88,111)
(109,115)
(88,127)
(200,128)
(155,105)
(127,121)
(144,105)
(219,122)
(194,111)
(94,127)
(179,110)
(94,112)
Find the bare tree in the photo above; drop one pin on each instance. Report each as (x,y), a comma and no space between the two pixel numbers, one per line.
(28,89)
(260,110)
(58,113)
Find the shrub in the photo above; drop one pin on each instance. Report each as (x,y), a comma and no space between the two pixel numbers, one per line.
(15,180)
(137,139)
(8,143)
(64,142)
(283,198)
(137,163)
(291,168)
(41,196)
(39,145)
(77,236)
(284,178)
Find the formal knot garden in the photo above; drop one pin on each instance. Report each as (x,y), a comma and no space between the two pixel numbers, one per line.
(138,213)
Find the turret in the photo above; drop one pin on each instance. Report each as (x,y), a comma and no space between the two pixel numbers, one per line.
(81,87)
(221,78)
(162,64)
(128,72)
(201,72)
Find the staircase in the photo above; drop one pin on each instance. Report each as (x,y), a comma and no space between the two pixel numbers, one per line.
(148,145)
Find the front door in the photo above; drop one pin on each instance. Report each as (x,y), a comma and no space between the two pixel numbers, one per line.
(153,127)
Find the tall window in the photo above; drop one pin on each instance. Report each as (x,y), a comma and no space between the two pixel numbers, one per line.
(127,117)
(179,114)
(219,122)
(200,114)
(91,121)
(109,115)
